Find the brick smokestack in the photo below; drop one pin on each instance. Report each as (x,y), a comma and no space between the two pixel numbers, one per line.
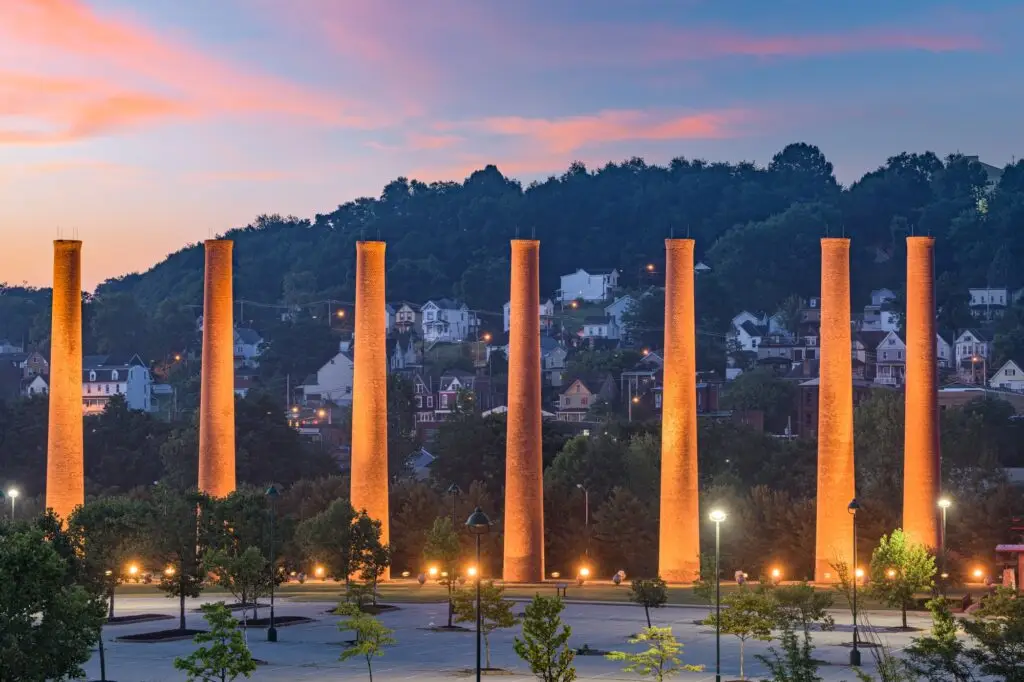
(921,458)
(524,482)
(834,541)
(65,468)
(679,536)
(217,383)
(370,389)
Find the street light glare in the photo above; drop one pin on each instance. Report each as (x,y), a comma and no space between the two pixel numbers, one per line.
(718,516)
(945,503)
(12,493)
(859,573)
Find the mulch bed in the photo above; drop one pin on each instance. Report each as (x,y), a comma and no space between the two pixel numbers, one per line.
(279,621)
(587,651)
(445,628)
(137,618)
(372,609)
(236,607)
(161,635)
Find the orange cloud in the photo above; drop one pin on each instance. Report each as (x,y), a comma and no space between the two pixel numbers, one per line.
(146,78)
(564,135)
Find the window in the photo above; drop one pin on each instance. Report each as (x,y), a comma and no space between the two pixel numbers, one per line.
(899,355)
(444,401)
(565,401)
(113,375)
(430,401)
(92,376)
(583,401)
(107,387)
(419,401)
(885,355)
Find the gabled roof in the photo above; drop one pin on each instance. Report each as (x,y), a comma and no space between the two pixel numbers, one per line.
(1014,364)
(446,303)
(248,336)
(870,339)
(597,319)
(977,333)
(548,345)
(754,329)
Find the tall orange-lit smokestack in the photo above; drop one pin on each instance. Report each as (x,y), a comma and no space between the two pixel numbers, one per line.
(834,541)
(217,383)
(65,467)
(524,483)
(679,536)
(921,459)
(370,389)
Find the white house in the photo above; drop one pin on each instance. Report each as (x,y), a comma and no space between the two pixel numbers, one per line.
(617,308)
(389,317)
(971,343)
(104,376)
(9,347)
(332,382)
(881,314)
(747,331)
(891,361)
(35,385)
(600,328)
(407,316)
(1009,377)
(982,298)
(547,314)
(248,346)
(943,352)
(448,320)
(596,285)
(880,296)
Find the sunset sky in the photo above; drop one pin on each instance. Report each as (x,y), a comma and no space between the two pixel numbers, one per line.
(142,125)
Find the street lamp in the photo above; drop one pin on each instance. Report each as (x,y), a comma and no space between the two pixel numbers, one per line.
(586,515)
(479,525)
(13,494)
(944,504)
(718,516)
(635,400)
(853,508)
(272,495)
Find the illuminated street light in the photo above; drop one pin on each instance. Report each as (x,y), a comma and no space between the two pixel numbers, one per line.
(471,571)
(13,494)
(859,572)
(718,516)
(169,571)
(650,267)
(487,336)
(319,572)
(944,504)
(978,573)
(853,508)
(341,313)
(891,573)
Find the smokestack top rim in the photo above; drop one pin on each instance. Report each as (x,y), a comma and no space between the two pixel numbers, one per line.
(67,243)
(372,245)
(835,241)
(921,240)
(525,243)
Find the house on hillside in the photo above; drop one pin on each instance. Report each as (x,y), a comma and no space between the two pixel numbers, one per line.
(423,401)
(7,347)
(891,361)
(973,345)
(408,316)
(30,364)
(943,352)
(618,308)
(588,285)
(1009,377)
(553,360)
(34,385)
(104,376)
(595,327)
(455,391)
(989,303)
(580,397)
(389,318)
(447,320)
(332,382)
(546,312)
(403,354)
(248,346)
(881,314)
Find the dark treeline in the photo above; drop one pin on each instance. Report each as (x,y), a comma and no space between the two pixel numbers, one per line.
(756,226)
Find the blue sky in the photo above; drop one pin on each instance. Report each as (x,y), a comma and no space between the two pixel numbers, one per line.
(148,124)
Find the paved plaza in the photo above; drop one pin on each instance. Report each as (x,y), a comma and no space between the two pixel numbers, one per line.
(310,651)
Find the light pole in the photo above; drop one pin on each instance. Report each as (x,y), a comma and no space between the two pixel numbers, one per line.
(586,515)
(944,504)
(479,525)
(272,496)
(718,516)
(854,652)
(454,490)
(635,400)
(13,494)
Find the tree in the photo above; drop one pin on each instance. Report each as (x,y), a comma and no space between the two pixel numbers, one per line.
(108,531)
(704,586)
(939,656)
(49,624)
(801,605)
(997,631)
(749,614)
(796,661)
(178,530)
(661,659)
(377,559)
(443,546)
(246,576)
(495,611)
(649,594)
(545,642)
(331,538)
(760,389)
(371,635)
(226,658)
(899,570)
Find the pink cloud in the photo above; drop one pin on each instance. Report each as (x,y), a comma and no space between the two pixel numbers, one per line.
(564,135)
(146,78)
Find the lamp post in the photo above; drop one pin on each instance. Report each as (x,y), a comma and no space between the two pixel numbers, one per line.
(586,515)
(454,490)
(635,400)
(272,495)
(13,494)
(718,516)
(944,504)
(854,652)
(479,525)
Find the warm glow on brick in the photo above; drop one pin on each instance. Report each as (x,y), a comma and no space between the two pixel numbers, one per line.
(217,387)
(524,481)
(370,389)
(65,468)
(921,458)
(834,539)
(679,537)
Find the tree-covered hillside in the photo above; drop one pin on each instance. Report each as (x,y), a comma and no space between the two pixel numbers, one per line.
(757,227)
